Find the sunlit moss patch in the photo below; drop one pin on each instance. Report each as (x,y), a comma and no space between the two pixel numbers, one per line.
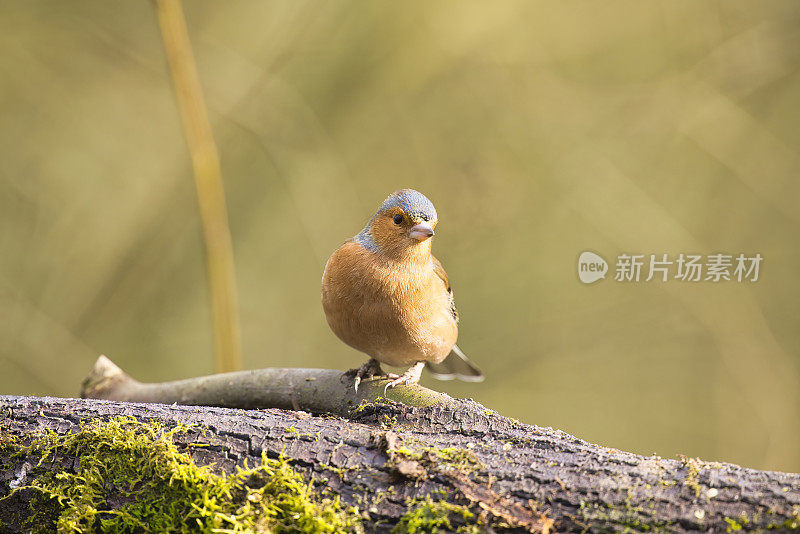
(157,488)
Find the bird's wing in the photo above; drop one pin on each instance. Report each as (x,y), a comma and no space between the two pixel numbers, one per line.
(440,272)
(456,365)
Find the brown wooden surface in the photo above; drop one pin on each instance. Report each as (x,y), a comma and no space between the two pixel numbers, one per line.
(577,484)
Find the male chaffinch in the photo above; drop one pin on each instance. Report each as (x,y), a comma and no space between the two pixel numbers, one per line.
(385,294)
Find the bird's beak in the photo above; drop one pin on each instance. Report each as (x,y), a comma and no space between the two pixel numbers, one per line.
(421,231)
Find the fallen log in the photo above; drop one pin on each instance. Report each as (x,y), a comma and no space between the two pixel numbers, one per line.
(396,463)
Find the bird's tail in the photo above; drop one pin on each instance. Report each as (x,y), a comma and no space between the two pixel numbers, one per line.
(456,365)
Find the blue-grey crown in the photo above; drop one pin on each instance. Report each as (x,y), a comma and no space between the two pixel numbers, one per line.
(415,204)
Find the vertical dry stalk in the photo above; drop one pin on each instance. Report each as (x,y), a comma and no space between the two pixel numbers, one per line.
(208,179)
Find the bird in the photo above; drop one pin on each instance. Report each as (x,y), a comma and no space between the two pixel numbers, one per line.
(386,295)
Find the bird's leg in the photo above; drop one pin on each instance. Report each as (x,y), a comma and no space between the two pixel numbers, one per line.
(371,368)
(411,376)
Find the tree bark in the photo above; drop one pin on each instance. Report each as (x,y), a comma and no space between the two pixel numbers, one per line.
(524,478)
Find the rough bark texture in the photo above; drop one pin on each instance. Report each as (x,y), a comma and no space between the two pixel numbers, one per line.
(523,471)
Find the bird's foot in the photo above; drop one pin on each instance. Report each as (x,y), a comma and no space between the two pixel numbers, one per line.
(371,368)
(411,376)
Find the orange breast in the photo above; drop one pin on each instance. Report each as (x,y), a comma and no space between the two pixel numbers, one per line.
(396,314)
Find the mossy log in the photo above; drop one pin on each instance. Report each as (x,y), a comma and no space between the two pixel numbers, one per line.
(451,465)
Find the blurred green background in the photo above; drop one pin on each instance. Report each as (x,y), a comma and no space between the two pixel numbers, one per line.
(539,130)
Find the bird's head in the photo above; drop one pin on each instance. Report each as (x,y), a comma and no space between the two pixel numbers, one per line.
(403,226)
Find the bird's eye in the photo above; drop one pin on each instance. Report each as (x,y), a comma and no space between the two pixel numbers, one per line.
(398,219)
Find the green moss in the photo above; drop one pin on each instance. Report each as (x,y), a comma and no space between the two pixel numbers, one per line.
(388,422)
(793,523)
(738,523)
(429,516)
(632,518)
(362,405)
(338,470)
(733,525)
(458,459)
(296,434)
(693,467)
(8,442)
(451,458)
(375,393)
(414,396)
(162,489)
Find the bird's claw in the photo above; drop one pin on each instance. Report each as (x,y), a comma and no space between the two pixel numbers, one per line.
(371,368)
(410,377)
